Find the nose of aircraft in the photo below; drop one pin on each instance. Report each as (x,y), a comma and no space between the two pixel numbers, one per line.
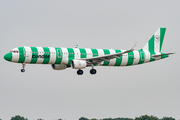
(8,56)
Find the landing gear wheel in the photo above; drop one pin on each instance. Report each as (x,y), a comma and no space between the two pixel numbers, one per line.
(80,72)
(93,71)
(22,70)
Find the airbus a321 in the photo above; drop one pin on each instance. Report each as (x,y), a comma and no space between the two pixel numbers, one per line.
(79,58)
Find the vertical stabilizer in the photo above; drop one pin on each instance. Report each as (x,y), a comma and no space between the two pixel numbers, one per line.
(156,41)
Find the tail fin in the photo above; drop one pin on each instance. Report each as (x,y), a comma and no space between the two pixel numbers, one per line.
(156,41)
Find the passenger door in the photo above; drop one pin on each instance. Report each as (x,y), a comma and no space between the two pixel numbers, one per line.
(26,52)
(59,53)
(142,55)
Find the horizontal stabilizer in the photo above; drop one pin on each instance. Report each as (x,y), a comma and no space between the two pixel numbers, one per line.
(159,55)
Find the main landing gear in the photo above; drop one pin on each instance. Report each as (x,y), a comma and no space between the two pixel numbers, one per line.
(80,72)
(23,65)
(92,71)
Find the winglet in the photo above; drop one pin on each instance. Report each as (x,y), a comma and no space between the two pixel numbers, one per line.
(76,46)
(134,46)
(132,49)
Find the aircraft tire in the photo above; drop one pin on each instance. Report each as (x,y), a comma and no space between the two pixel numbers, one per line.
(22,70)
(80,72)
(93,71)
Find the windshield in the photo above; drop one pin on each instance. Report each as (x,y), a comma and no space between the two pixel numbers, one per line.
(14,51)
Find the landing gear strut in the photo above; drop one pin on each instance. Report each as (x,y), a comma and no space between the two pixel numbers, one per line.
(23,65)
(80,72)
(92,71)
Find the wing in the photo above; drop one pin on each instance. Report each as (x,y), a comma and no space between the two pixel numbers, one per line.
(99,59)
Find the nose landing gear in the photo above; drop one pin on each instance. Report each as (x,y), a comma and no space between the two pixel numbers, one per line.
(23,65)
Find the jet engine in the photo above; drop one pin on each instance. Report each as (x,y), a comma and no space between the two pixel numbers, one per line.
(59,67)
(78,64)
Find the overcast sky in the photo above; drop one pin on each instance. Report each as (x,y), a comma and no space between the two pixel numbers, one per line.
(41,92)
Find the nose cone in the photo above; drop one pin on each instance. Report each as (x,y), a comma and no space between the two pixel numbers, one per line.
(8,56)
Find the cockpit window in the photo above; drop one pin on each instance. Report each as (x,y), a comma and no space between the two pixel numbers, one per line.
(14,51)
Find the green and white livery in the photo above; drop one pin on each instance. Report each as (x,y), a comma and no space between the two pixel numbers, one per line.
(79,58)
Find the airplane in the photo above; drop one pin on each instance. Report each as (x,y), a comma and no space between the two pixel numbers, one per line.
(61,58)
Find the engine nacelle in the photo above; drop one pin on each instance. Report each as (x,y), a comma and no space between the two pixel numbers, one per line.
(59,67)
(78,64)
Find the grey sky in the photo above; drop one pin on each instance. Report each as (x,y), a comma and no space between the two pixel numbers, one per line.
(41,92)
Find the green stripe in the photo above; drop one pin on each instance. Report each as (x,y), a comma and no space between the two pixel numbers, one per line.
(82,52)
(46,53)
(34,52)
(8,56)
(21,54)
(152,59)
(94,52)
(162,33)
(164,56)
(151,44)
(130,58)
(118,61)
(141,56)
(59,55)
(106,52)
(70,55)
